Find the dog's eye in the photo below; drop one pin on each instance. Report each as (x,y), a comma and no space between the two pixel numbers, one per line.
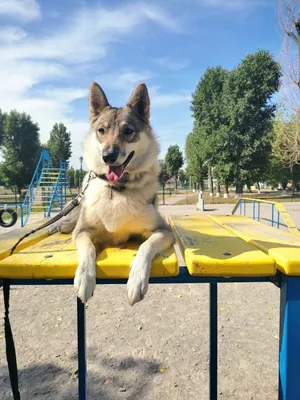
(101,131)
(127,131)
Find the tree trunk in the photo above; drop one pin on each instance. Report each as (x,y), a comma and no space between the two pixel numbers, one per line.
(175,182)
(239,189)
(218,189)
(210,182)
(226,193)
(258,187)
(293,181)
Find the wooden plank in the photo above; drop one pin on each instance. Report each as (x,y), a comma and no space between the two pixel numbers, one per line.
(282,246)
(56,257)
(211,250)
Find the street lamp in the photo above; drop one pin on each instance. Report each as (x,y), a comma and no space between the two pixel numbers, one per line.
(81,161)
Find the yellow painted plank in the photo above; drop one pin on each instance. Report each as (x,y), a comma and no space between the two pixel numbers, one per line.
(8,239)
(56,257)
(282,246)
(211,250)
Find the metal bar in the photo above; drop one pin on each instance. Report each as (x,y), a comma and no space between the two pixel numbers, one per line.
(278,219)
(272,216)
(183,277)
(258,212)
(289,353)
(21,215)
(240,207)
(253,210)
(244,207)
(213,341)
(81,343)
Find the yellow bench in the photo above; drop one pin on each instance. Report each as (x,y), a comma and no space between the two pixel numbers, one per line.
(211,250)
(215,248)
(282,246)
(55,257)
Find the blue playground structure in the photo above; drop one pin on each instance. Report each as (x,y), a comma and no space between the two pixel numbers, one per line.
(48,191)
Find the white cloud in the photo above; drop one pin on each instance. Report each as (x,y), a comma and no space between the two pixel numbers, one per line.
(11,34)
(166,62)
(25,10)
(163,100)
(87,34)
(233,4)
(123,81)
(36,71)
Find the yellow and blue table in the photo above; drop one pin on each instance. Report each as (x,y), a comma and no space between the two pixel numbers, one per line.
(216,249)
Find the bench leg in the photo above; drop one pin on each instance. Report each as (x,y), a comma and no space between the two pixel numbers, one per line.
(81,342)
(289,355)
(213,341)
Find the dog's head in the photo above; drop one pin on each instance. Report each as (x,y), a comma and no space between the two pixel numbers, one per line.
(120,140)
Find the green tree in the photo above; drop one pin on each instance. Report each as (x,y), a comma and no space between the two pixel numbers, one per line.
(174,161)
(163,174)
(233,115)
(209,114)
(182,177)
(248,95)
(195,164)
(76,177)
(2,116)
(71,176)
(286,146)
(20,149)
(59,144)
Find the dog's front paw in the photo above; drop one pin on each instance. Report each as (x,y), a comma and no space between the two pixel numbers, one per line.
(137,285)
(84,283)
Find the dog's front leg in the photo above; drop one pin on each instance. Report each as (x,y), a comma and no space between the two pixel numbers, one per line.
(137,285)
(85,277)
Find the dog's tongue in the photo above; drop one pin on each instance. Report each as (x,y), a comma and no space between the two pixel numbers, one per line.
(113,174)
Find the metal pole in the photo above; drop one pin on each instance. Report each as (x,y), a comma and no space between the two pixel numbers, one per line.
(81,343)
(213,341)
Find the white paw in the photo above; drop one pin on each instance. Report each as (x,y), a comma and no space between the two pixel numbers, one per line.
(84,283)
(137,284)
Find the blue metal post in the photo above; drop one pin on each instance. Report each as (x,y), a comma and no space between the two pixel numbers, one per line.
(272,218)
(258,212)
(213,341)
(244,207)
(81,340)
(253,210)
(289,355)
(278,219)
(21,215)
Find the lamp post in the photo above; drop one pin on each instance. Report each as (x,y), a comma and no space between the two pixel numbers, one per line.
(80,179)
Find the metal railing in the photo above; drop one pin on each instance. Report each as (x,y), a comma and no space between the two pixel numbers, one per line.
(278,214)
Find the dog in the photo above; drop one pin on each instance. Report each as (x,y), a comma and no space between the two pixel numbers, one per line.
(121,201)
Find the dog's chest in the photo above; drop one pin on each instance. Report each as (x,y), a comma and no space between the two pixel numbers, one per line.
(116,211)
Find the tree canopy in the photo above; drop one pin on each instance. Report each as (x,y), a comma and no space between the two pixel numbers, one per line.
(20,149)
(59,144)
(233,115)
(174,161)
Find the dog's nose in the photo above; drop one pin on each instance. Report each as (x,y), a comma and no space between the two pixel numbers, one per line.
(111,156)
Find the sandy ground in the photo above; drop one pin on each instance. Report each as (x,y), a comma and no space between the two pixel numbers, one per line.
(157,349)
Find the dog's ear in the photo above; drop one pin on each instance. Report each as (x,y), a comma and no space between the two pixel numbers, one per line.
(139,101)
(97,101)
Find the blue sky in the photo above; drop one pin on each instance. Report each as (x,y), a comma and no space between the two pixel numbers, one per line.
(50,51)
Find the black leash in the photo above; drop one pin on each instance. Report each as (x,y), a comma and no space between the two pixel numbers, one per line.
(9,340)
(65,211)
